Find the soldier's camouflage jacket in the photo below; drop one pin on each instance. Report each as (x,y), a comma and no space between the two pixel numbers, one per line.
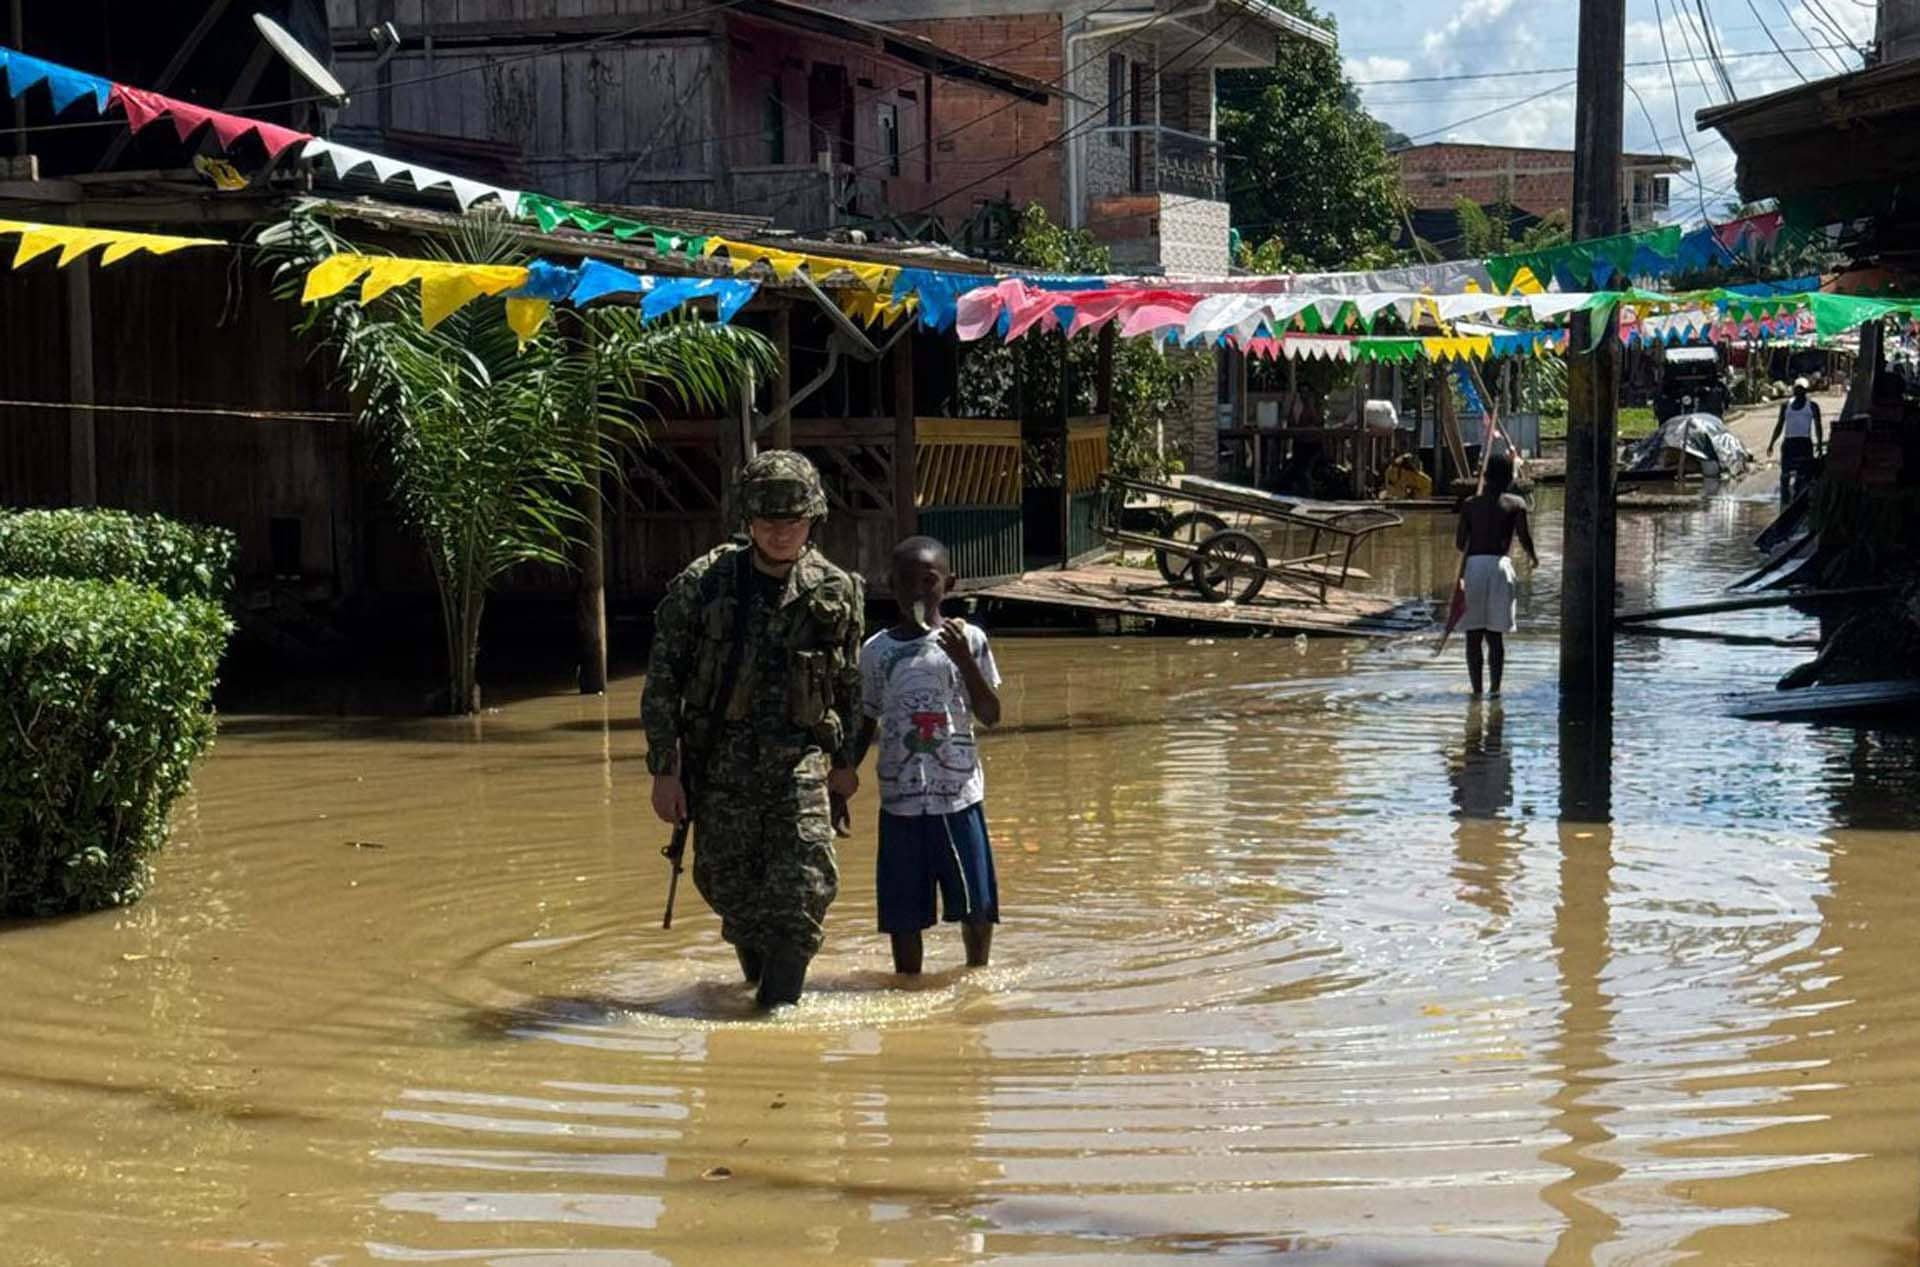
(797,691)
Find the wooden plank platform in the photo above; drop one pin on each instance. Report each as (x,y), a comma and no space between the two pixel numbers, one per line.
(1836,702)
(1124,591)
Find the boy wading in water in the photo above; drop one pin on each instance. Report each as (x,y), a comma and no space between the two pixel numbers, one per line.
(1489,521)
(924,681)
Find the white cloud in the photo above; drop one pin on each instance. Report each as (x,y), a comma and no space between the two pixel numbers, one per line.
(1374,69)
(1473,15)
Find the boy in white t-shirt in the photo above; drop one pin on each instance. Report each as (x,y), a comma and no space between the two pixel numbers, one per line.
(924,680)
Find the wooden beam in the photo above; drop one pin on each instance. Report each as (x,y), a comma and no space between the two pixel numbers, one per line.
(82,449)
(906,515)
(47,191)
(781,403)
(201,29)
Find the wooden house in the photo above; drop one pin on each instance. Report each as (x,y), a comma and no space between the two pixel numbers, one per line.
(762,107)
(178,385)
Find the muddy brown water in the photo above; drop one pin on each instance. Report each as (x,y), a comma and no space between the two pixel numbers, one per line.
(1301,964)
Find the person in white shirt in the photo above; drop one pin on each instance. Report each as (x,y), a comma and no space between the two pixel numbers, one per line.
(924,681)
(1800,425)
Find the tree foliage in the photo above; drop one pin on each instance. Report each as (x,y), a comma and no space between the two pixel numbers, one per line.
(1023,378)
(1307,164)
(489,443)
(1486,231)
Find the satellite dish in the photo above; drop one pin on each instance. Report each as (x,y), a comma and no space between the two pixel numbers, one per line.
(305,64)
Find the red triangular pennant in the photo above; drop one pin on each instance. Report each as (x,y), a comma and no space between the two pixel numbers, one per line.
(143,107)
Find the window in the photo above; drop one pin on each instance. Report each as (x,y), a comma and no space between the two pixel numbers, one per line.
(773,122)
(1116,95)
(890,136)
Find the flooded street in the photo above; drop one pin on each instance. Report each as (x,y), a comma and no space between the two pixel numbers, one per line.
(1300,962)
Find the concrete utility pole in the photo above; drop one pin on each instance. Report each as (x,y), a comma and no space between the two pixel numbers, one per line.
(1593,378)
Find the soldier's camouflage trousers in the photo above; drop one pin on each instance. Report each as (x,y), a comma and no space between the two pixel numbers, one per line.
(763,852)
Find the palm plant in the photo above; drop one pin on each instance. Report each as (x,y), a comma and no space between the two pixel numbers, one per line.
(489,442)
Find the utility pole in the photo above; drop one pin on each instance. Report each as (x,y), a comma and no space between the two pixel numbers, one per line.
(1593,377)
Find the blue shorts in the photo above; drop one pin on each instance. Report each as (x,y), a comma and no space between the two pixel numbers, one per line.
(949,852)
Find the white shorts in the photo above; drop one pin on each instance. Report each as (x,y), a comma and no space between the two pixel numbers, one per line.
(1490,604)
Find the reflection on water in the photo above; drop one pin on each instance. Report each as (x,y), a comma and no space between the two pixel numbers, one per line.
(1307,958)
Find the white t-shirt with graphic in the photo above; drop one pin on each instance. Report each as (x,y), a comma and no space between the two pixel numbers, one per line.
(927,762)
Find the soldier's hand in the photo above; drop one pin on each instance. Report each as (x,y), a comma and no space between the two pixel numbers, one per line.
(953,641)
(669,799)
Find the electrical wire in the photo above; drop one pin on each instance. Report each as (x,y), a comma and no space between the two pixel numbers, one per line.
(1475,118)
(1560,70)
(1686,37)
(1791,65)
(1060,81)
(594,165)
(1065,134)
(1713,47)
(1825,57)
(1673,82)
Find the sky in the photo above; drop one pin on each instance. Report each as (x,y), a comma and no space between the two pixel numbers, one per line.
(1382,50)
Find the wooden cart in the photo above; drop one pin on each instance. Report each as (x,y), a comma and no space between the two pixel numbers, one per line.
(1196,547)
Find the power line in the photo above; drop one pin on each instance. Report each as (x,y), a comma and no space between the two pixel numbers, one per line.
(1686,37)
(672,19)
(1713,47)
(1776,43)
(1825,58)
(1065,134)
(1475,118)
(715,6)
(1560,70)
(1660,24)
(871,95)
(1060,81)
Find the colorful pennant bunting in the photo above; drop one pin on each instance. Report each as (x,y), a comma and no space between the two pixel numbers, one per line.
(66,86)
(143,108)
(74,241)
(344,159)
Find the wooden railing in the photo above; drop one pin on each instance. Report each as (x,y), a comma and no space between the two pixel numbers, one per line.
(1088,455)
(967,462)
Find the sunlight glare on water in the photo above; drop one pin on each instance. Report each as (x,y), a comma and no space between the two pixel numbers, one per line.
(1301,961)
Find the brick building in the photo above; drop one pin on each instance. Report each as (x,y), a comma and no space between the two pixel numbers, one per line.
(1128,151)
(1533,182)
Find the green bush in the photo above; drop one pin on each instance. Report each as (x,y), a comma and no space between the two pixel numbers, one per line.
(180,560)
(102,713)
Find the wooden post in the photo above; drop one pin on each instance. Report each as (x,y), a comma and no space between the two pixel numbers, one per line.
(1593,377)
(589,552)
(1066,455)
(591,598)
(780,436)
(1865,368)
(1103,387)
(906,513)
(82,451)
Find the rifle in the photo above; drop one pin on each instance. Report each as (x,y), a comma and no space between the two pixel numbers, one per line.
(675,851)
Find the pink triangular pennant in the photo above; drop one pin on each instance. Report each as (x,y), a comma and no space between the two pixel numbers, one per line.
(143,107)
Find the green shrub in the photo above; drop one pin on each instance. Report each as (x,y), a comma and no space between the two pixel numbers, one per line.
(104,688)
(180,560)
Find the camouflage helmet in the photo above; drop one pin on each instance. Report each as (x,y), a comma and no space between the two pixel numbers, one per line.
(781,484)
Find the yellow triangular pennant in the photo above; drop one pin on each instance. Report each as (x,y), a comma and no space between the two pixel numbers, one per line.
(332,275)
(526,316)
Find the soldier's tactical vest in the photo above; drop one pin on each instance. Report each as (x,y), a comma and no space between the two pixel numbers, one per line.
(820,615)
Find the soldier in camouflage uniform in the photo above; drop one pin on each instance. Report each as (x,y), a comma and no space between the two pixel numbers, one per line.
(766,757)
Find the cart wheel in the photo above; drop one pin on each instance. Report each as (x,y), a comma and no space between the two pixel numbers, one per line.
(1190,527)
(1231,568)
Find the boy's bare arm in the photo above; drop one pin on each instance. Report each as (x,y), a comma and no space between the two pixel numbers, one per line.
(863,741)
(981,697)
